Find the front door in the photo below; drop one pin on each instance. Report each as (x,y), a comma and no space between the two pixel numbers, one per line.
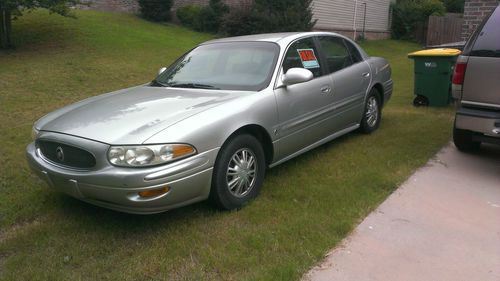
(303,109)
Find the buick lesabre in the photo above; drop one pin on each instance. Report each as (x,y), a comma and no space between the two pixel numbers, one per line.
(209,125)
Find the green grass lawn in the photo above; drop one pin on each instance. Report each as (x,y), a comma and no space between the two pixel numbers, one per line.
(307,205)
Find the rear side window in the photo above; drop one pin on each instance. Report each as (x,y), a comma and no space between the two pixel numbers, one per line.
(303,53)
(355,55)
(336,54)
(488,39)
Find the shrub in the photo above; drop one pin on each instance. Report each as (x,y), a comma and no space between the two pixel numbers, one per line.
(454,6)
(211,16)
(271,16)
(207,19)
(282,15)
(262,17)
(155,10)
(189,15)
(408,13)
(239,21)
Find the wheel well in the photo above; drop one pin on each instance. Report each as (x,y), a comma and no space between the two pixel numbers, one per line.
(380,90)
(262,136)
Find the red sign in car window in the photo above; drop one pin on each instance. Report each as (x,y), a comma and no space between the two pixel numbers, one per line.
(308,58)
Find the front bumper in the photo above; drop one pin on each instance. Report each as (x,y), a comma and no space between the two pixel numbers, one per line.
(117,188)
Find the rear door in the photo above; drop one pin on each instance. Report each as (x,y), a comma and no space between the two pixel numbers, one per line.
(350,76)
(481,84)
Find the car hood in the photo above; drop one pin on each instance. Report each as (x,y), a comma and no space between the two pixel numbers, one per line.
(132,115)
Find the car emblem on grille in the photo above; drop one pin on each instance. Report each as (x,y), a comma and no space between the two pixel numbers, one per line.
(60,153)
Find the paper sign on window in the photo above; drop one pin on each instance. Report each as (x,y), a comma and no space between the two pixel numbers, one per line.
(308,58)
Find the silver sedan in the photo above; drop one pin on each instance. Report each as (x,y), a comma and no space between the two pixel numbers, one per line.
(209,125)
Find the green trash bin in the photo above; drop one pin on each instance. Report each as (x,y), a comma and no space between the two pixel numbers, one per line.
(433,71)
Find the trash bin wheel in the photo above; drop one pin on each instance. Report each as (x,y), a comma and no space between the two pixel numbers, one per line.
(420,101)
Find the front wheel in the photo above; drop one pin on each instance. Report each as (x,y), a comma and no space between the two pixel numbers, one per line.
(238,172)
(372,113)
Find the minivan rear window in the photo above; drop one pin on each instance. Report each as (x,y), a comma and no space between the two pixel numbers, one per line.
(488,40)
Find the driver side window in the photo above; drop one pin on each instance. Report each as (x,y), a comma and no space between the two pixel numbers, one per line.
(303,54)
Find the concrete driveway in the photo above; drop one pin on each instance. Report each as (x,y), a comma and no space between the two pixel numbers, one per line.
(441,224)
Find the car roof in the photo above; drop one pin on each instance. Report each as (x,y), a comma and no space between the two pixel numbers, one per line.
(270,37)
(282,39)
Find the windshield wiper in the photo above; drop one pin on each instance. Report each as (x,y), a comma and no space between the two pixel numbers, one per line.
(156,83)
(192,85)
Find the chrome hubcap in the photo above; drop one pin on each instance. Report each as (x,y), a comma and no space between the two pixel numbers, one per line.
(371,112)
(241,171)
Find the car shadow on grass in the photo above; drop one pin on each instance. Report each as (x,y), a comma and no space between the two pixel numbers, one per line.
(75,209)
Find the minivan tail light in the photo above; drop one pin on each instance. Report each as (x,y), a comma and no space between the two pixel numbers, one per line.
(459,73)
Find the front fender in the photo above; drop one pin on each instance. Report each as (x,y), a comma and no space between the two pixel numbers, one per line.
(211,128)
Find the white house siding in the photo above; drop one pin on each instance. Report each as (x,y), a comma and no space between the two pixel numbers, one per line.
(338,15)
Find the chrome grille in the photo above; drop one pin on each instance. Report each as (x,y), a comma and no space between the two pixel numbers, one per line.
(66,155)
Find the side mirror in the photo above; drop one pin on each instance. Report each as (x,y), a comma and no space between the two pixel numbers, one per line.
(161,70)
(297,75)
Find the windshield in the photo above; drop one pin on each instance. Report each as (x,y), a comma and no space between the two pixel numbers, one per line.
(244,66)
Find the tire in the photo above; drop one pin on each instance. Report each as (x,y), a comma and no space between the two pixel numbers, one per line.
(232,186)
(463,140)
(420,101)
(372,113)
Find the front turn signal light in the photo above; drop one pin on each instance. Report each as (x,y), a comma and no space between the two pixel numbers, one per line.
(153,192)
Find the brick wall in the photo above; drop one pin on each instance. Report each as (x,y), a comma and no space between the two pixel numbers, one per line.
(180,3)
(230,3)
(131,6)
(126,6)
(474,13)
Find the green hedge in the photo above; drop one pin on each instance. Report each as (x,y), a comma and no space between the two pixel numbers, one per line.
(189,15)
(263,16)
(203,18)
(408,13)
(155,10)
(281,16)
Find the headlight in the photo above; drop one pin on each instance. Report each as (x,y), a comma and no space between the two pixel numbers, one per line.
(34,133)
(148,155)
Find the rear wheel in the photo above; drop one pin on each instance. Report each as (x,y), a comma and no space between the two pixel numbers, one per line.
(238,172)
(463,140)
(372,113)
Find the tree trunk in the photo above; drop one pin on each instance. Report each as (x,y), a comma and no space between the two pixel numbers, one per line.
(5,27)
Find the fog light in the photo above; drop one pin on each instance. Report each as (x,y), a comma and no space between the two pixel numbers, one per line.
(154,192)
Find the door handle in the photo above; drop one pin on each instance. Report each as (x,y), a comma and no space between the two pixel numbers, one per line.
(326,90)
(366,74)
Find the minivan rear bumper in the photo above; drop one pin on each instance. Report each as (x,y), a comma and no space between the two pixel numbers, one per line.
(484,121)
